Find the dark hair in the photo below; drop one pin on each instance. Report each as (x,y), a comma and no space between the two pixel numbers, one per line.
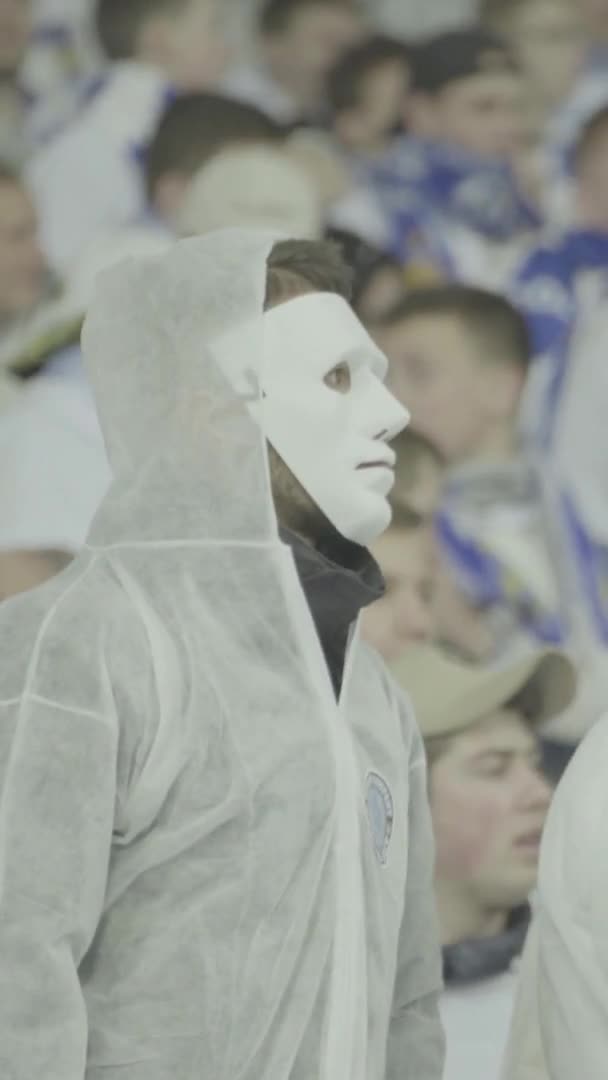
(436,746)
(592,130)
(364,259)
(118,23)
(411,449)
(276,15)
(458,54)
(345,81)
(9,175)
(196,126)
(296,267)
(497,324)
(405,517)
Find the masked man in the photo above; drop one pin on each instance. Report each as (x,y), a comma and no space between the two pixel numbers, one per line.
(216,857)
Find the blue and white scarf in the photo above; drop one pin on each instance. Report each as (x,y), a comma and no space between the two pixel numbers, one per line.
(546,286)
(421,184)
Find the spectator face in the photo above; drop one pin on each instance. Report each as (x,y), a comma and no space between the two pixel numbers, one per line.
(304,52)
(550,42)
(593,184)
(22,266)
(456,398)
(489,801)
(483,114)
(14,33)
(403,615)
(195,44)
(383,95)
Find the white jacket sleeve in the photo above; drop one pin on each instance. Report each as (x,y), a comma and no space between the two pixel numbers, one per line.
(571,926)
(57,792)
(525,1056)
(416,1045)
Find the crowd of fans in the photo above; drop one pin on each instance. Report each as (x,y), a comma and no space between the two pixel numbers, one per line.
(458,155)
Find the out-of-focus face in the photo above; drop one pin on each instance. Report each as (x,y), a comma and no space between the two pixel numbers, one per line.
(15,24)
(22,265)
(550,41)
(381,108)
(404,614)
(423,495)
(593,184)
(489,801)
(435,367)
(484,114)
(197,45)
(310,45)
(595,14)
(382,291)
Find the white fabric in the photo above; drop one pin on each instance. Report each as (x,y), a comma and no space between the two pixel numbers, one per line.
(564,989)
(53,466)
(525,1055)
(476,1020)
(88,178)
(326,437)
(575,469)
(358,211)
(191,884)
(276,195)
(254,84)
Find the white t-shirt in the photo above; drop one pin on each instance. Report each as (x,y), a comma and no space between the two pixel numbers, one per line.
(53,466)
(88,179)
(476,1021)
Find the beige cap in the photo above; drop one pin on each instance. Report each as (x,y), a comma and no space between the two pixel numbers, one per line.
(450,695)
(251,185)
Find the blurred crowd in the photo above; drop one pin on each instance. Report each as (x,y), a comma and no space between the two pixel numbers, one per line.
(457,152)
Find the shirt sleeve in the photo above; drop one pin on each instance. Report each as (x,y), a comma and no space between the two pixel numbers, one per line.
(57,797)
(572,944)
(416,1044)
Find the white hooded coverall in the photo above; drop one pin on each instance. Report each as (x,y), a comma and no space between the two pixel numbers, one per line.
(192,884)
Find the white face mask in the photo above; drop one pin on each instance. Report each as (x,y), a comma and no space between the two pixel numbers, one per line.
(333,441)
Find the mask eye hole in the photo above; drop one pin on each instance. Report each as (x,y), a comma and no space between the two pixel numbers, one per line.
(339,379)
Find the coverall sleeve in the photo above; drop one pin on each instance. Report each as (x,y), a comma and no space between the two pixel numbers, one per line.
(571,923)
(525,1057)
(57,793)
(416,1044)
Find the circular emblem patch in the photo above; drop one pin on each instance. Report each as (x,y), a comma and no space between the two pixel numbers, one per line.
(381,814)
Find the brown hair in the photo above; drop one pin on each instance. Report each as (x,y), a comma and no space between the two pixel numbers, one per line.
(498,326)
(296,267)
(593,130)
(197,126)
(276,16)
(9,175)
(118,23)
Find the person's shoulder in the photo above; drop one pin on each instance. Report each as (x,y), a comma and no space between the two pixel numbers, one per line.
(55,640)
(576,826)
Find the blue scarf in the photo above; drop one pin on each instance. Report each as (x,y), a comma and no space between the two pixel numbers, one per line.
(545,285)
(421,184)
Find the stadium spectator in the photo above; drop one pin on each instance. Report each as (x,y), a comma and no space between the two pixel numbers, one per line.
(88,178)
(298,43)
(459,357)
(489,799)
